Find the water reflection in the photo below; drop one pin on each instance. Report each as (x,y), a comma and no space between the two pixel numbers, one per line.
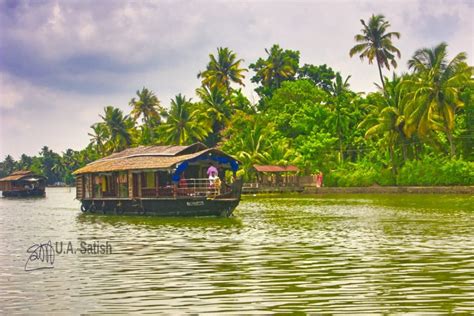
(157,222)
(345,254)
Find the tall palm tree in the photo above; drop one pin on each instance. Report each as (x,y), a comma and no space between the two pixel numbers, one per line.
(146,105)
(119,128)
(223,70)
(376,43)
(184,124)
(436,90)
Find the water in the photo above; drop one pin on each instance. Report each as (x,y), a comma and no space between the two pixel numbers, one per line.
(335,254)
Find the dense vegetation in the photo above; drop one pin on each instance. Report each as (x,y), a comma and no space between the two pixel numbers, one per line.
(416,130)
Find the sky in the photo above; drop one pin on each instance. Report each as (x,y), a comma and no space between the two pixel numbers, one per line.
(62,62)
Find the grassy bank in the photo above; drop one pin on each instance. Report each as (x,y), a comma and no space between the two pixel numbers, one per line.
(428,171)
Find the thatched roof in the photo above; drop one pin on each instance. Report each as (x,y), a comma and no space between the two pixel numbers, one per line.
(143,158)
(275,169)
(19,175)
(157,151)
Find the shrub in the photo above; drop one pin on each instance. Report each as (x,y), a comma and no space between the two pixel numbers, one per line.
(436,171)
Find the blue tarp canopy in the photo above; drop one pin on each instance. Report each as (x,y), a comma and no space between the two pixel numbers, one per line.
(234,165)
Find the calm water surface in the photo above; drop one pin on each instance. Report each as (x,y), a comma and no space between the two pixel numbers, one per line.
(284,253)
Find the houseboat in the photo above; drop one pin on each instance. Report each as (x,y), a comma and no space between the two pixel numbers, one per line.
(161,180)
(23,183)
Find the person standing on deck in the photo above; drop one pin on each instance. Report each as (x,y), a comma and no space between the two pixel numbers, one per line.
(211,173)
(211,170)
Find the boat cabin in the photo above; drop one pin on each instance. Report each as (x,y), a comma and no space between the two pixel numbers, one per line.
(23,183)
(156,172)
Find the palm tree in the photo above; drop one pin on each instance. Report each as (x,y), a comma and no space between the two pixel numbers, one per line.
(279,153)
(222,71)
(184,124)
(118,128)
(374,42)
(436,90)
(387,120)
(215,102)
(279,66)
(147,105)
(340,116)
(99,137)
(59,169)
(218,110)
(253,145)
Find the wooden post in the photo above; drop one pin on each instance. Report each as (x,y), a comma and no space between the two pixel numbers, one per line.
(93,186)
(130,184)
(139,175)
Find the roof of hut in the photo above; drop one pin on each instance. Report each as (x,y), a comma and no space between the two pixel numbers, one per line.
(148,157)
(275,169)
(18,175)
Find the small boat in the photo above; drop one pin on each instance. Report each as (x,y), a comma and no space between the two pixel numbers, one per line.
(161,180)
(22,184)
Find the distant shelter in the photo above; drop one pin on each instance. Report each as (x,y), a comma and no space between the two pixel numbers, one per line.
(272,175)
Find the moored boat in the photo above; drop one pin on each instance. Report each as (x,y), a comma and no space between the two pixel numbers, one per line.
(161,180)
(23,183)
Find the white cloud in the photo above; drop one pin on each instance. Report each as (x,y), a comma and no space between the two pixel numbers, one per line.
(9,95)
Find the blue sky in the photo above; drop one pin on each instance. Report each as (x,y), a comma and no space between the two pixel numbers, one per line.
(61,62)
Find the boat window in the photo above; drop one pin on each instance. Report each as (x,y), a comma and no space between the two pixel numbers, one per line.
(148,180)
(164,178)
(123,184)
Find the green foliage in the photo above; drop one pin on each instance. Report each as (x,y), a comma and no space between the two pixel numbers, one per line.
(118,127)
(296,107)
(146,106)
(321,76)
(185,124)
(435,91)
(280,65)
(436,170)
(222,71)
(361,174)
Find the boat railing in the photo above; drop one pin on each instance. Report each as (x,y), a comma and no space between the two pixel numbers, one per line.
(192,187)
(201,187)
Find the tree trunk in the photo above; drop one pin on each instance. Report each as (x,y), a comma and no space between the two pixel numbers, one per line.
(392,159)
(404,147)
(381,76)
(451,144)
(341,155)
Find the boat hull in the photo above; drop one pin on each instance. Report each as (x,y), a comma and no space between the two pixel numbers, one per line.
(162,207)
(24,193)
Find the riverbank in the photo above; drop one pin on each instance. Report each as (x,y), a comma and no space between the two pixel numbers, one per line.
(371,189)
(393,189)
